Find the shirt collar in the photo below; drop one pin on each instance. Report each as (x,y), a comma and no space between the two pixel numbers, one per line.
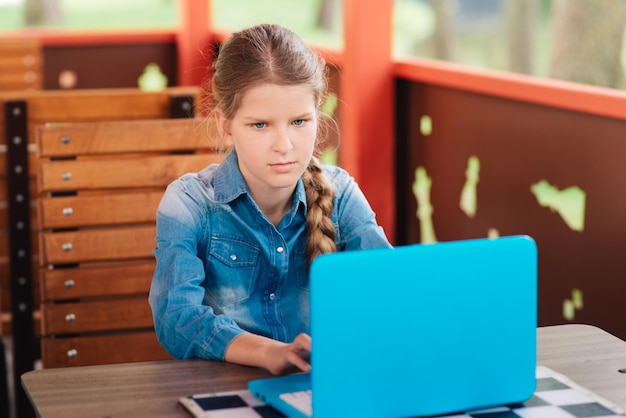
(229,184)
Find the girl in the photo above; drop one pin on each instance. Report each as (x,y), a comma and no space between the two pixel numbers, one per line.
(234,241)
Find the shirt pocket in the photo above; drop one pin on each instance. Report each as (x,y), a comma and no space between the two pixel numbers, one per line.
(232,270)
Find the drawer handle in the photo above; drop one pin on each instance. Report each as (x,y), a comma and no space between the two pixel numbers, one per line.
(69,283)
(70,317)
(66,176)
(65,139)
(67,247)
(68,211)
(72,353)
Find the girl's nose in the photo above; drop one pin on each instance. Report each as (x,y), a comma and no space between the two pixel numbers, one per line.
(282,142)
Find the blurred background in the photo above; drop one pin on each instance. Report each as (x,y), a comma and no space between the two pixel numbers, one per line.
(574,40)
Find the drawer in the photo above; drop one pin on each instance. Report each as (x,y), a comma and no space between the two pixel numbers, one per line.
(95,245)
(96,316)
(101,349)
(83,282)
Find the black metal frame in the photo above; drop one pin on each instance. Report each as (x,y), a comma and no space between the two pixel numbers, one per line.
(182,106)
(4,383)
(20,250)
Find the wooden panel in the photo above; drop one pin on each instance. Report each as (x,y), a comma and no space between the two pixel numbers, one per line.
(96,281)
(20,64)
(22,61)
(139,171)
(97,245)
(24,80)
(538,166)
(98,315)
(121,136)
(18,47)
(100,209)
(101,349)
(109,63)
(102,104)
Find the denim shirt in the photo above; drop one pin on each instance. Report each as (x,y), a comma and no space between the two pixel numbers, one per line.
(223,268)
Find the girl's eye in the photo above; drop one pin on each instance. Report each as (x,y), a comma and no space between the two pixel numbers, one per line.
(298,122)
(258,125)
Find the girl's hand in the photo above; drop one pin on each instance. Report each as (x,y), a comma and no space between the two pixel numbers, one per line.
(275,356)
(289,358)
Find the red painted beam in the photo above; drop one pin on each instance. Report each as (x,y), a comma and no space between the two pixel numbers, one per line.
(194,40)
(566,95)
(82,38)
(367,98)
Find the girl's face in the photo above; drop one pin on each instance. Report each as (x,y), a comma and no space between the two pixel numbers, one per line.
(274,132)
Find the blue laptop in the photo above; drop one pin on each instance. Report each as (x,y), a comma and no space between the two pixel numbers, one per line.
(418,330)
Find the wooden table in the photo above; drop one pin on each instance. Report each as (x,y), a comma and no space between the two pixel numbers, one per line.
(147,389)
(586,354)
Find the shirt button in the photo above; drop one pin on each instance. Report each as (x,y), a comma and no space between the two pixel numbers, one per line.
(233,257)
(280,249)
(272,296)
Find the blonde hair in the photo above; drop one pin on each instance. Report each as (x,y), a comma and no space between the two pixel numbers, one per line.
(273,54)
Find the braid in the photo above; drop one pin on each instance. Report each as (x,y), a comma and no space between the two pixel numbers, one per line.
(319,198)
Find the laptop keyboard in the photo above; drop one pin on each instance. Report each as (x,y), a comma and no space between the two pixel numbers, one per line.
(300,400)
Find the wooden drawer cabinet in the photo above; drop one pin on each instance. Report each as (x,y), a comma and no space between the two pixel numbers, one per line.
(99,186)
